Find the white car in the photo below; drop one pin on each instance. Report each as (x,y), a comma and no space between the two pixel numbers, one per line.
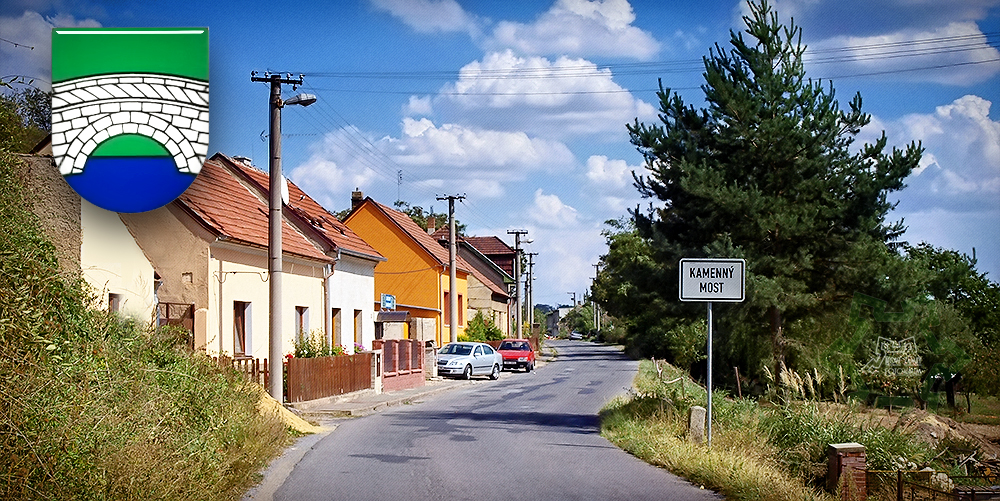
(469,359)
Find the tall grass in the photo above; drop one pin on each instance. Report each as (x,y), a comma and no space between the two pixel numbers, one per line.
(93,406)
(758,452)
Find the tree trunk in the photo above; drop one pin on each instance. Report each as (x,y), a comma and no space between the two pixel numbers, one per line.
(777,339)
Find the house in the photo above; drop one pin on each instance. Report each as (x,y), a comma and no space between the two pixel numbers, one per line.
(416,272)
(90,241)
(488,282)
(495,250)
(210,250)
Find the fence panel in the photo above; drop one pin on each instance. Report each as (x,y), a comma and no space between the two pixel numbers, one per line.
(312,378)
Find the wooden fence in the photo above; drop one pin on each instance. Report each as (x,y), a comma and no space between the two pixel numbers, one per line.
(254,369)
(312,378)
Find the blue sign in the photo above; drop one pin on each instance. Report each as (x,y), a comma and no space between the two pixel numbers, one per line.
(388,302)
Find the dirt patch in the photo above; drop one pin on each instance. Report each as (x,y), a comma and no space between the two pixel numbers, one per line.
(929,427)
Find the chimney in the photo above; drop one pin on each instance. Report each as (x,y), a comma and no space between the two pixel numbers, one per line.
(431,223)
(357,198)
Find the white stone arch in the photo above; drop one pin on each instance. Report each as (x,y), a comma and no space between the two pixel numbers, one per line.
(108,125)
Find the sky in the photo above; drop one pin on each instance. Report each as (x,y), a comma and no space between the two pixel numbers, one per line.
(521,106)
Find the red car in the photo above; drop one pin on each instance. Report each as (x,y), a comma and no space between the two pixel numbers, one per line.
(517,354)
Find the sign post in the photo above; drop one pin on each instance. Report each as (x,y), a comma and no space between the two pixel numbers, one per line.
(712,280)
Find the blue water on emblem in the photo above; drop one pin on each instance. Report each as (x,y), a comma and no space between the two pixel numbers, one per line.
(130,184)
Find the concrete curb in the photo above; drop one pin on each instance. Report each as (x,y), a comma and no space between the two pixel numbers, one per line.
(280,468)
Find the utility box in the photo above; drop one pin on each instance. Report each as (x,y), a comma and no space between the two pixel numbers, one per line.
(847,470)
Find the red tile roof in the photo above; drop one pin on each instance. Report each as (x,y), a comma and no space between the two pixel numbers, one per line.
(231,210)
(490,246)
(335,233)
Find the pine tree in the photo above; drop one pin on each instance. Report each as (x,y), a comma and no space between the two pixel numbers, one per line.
(765,172)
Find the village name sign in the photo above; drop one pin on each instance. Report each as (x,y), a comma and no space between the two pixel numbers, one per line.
(720,280)
(711,280)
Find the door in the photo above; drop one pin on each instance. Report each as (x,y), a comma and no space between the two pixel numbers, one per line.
(478,360)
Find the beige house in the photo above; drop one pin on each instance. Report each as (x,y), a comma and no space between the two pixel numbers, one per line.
(209,248)
(91,241)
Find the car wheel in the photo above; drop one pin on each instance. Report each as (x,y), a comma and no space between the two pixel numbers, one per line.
(527,368)
(467,374)
(496,372)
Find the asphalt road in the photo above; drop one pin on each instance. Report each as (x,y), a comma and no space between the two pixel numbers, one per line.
(526,436)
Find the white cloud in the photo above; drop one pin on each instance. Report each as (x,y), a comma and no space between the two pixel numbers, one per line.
(447,157)
(430,16)
(31,29)
(610,182)
(579,28)
(558,99)
(953,200)
(441,149)
(961,165)
(550,212)
(419,106)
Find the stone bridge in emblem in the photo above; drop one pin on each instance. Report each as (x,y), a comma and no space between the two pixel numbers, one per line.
(171,110)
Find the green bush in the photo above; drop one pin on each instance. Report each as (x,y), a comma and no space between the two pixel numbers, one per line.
(315,345)
(482,329)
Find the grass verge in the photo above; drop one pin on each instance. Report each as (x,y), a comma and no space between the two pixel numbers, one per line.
(759,452)
(93,406)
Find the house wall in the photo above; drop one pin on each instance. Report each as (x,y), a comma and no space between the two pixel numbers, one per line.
(112,263)
(244,271)
(352,286)
(57,207)
(179,249)
(462,286)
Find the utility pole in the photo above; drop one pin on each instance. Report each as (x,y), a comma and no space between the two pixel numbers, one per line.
(452,281)
(275,103)
(597,314)
(531,289)
(517,277)
(574,298)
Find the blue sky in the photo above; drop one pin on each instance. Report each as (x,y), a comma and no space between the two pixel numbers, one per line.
(521,105)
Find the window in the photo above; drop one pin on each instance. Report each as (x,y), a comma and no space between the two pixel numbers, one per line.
(478,352)
(336,325)
(302,322)
(487,350)
(357,327)
(447,309)
(114,303)
(241,328)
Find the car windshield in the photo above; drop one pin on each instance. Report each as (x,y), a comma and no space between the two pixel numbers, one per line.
(515,345)
(456,349)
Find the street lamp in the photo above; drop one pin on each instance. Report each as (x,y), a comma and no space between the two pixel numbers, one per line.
(274,223)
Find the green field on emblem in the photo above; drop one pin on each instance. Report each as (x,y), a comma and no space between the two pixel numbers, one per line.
(130,145)
(98,51)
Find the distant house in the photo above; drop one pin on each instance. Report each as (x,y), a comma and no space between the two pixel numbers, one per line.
(496,250)
(489,291)
(209,248)
(416,272)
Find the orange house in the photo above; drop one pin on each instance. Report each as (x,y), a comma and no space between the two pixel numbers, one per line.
(416,270)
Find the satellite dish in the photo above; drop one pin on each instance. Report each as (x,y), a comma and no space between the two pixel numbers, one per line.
(284,190)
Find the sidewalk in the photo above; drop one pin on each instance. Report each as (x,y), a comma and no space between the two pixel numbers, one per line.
(365,402)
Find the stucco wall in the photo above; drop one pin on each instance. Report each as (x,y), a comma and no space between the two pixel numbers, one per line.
(112,263)
(243,273)
(352,287)
(57,207)
(178,248)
